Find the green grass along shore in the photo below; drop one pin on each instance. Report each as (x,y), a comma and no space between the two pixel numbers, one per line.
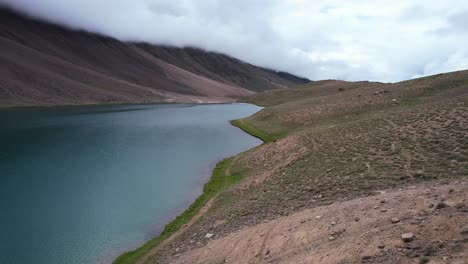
(218,182)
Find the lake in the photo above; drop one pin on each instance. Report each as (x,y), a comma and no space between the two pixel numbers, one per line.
(84,184)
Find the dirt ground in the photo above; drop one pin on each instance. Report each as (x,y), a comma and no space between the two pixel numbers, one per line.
(363,230)
(339,147)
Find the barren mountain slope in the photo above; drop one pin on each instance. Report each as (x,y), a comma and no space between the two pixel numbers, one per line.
(45,64)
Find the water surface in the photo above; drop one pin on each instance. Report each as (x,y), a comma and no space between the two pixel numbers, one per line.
(83,184)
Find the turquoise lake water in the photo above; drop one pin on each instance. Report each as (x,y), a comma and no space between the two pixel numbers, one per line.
(84,184)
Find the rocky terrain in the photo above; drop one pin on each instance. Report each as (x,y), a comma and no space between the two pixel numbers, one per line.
(425,221)
(346,170)
(44,64)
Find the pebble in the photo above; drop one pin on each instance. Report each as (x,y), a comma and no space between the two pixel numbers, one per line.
(333,223)
(331,238)
(408,237)
(209,235)
(395,220)
(381,246)
(465,230)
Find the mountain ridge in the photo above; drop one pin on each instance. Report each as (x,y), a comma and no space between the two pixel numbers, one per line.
(46,64)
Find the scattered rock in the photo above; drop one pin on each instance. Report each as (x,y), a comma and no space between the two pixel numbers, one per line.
(418,173)
(209,235)
(383,210)
(383,201)
(408,237)
(381,246)
(465,230)
(395,220)
(395,101)
(333,223)
(318,217)
(331,238)
(329,170)
(356,219)
(267,252)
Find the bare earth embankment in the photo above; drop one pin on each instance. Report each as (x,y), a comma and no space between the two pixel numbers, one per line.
(340,161)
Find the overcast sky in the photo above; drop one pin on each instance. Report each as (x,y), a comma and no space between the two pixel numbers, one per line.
(351,40)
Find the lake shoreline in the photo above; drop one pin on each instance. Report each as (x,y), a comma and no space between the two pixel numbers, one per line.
(210,190)
(19,107)
(99,131)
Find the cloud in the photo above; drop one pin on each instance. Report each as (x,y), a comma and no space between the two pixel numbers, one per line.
(351,40)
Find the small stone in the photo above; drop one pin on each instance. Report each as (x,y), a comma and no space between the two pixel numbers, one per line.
(331,238)
(329,170)
(376,207)
(209,235)
(383,210)
(465,230)
(383,201)
(395,220)
(356,219)
(381,246)
(333,223)
(408,237)
(318,217)
(445,257)
(267,252)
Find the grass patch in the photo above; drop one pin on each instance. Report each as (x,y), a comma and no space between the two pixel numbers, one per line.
(265,137)
(218,182)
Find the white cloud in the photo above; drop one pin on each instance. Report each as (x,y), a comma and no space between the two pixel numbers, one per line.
(352,40)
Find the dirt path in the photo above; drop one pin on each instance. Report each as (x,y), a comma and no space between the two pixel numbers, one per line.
(356,231)
(201,212)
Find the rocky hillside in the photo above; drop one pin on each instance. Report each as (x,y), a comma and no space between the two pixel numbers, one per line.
(347,171)
(45,64)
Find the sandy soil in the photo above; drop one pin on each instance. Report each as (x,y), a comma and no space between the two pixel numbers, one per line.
(356,231)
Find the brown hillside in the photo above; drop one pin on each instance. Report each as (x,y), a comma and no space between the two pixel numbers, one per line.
(45,64)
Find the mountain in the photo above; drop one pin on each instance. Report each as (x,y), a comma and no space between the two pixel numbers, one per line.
(46,64)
